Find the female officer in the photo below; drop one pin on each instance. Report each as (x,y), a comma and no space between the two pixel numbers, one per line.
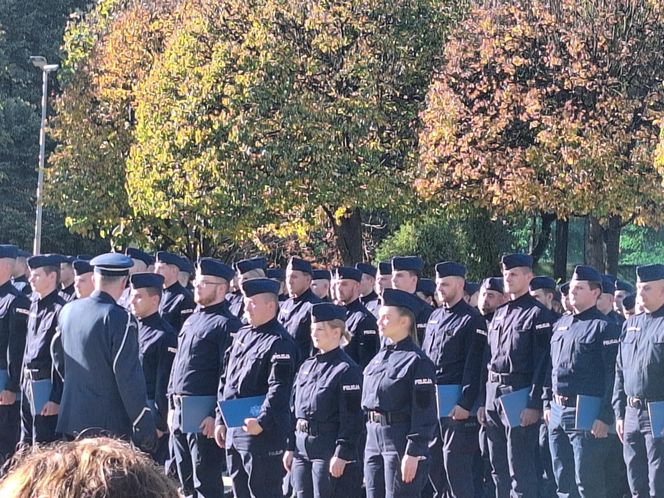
(399,399)
(322,455)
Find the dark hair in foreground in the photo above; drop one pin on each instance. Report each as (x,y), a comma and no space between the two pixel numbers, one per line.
(89,468)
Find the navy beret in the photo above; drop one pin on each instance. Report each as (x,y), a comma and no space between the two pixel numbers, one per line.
(142,280)
(608,284)
(516,260)
(564,288)
(385,268)
(20,253)
(260,286)
(321,275)
(426,286)
(275,273)
(366,268)
(134,253)
(542,282)
(84,257)
(450,269)
(402,299)
(493,284)
(348,273)
(624,286)
(299,264)
(246,265)
(649,273)
(409,263)
(112,264)
(81,267)
(629,302)
(168,258)
(471,288)
(587,273)
(44,260)
(186,265)
(324,312)
(215,268)
(69,260)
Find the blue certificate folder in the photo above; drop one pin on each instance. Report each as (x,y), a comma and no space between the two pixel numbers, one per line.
(513,404)
(448,397)
(41,391)
(194,409)
(234,411)
(4,378)
(656,414)
(587,411)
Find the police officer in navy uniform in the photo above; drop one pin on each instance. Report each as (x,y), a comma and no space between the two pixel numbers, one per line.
(177,303)
(84,284)
(246,270)
(426,291)
(142,261)
(278,275)
(455,341)
(544,289)
(639,374)
(37,360)
(295,313)
(629,305)
(67,290)
(471,292)
(399,399)
(360,322)
(320,284)
(261,363)
(405,274)
(184,275)
(606,302)
(368,294)
(383,279)
(490,297)
(519,337)
(583,352)
(22,272)
(623,289)
(199,363)
(96,352)
(157,343)
(327,416)
(14,311)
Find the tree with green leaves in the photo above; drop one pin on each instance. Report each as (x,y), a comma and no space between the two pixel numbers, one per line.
(550,107)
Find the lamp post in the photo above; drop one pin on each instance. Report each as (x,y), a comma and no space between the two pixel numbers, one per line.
(40,62)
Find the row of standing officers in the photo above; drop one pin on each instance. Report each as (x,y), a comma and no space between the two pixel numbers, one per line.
(326,370)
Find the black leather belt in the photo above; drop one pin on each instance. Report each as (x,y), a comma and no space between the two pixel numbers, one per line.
(36,373)
(314,428)
(509,379)
(387,418)
(639,403)
(566,401)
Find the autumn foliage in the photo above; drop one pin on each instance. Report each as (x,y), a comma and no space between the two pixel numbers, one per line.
(549,106)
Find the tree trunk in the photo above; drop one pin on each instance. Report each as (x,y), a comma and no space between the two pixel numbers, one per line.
(544,236)
(560,251)
(348,235)
(594,244)
(612,239)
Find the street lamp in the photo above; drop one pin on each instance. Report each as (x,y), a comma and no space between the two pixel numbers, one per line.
(40,62)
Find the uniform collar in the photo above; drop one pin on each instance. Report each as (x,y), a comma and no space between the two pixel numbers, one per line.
(330,355)
(175,287)
(591,312)
(6,286)
(150,318)
(305,296)
(215,308)
(49,298)
(460,305)
(657,313)
(22,278)
(102,296)
(403,344)
(372,296)
(355,305)
(268,326)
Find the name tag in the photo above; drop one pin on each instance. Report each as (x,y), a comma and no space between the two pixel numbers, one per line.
(173,350)
(282,356)
(369,332)
(433,322)
(23,311)
(481,332)
(353,387)
(611,341)
(634,329)
(542,326)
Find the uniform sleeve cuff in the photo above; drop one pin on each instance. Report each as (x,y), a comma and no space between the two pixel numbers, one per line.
(414,448)
(345,452)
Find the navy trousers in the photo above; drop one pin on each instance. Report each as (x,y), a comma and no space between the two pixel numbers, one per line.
(255,475)
(35,428)
(644,455)
(199,463)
